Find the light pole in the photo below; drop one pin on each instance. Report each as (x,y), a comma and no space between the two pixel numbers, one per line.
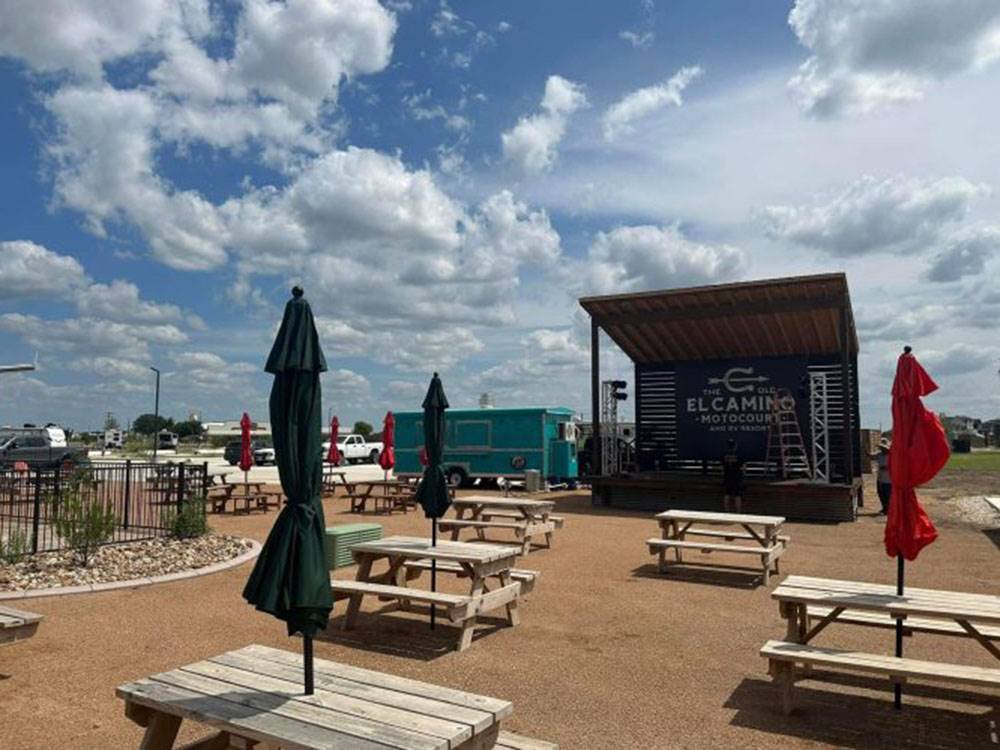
(156,413)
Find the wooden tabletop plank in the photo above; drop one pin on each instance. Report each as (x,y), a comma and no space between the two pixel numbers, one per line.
(503,502)
(332,709)
(241,720)
(419,548)
(724,518)
(305,714)
(891,603)
(322,667)
(16,618)
(478,719)
(828,584)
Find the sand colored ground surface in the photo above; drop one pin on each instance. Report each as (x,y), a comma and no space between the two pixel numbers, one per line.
(609,654)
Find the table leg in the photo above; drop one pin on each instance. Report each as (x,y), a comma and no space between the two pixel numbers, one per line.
(790,612)
(161,731)
(459,515)
(469,625)
(513,615)
(354,603)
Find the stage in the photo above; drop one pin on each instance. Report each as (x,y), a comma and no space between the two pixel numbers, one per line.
(796,500)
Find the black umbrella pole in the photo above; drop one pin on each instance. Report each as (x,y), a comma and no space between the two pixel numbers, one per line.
(307,663)
(898,687)
(434,566)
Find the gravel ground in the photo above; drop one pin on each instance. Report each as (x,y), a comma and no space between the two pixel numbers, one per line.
(609,654)
(121,562)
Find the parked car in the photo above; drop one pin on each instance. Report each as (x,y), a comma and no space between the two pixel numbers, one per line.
(264,455)
(234,448)
(355,449)
(41,447)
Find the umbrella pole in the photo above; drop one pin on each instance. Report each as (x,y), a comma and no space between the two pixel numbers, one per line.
(898,687)
(434,565)
(307,663)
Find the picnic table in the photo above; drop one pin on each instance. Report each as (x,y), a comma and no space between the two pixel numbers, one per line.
(17,625)
(526,518)
(760,536)
(809,605)
(254,695)
(393,495)
(252,492)
(477,562)
(330,475)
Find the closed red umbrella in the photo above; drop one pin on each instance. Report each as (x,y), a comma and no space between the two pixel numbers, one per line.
(333,455)
(919,450)
(387,458)
(246,452)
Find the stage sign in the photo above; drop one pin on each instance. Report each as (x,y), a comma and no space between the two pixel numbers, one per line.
(733,398)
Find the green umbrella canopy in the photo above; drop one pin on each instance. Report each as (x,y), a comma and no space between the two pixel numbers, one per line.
(290,579)
(432,494)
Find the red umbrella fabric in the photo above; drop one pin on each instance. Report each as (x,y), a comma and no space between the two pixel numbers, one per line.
(387,458)
(246,454)
(333,455)
(919,450)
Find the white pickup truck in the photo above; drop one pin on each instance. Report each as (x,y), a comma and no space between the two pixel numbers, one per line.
(355,449)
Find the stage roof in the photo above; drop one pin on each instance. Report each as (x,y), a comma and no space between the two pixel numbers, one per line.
(794,315)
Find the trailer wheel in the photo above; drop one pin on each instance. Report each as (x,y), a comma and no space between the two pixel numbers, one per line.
(456,476)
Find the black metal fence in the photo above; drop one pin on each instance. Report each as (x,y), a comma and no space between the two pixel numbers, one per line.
(142,496)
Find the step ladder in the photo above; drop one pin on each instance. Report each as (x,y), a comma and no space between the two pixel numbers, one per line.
(786,450)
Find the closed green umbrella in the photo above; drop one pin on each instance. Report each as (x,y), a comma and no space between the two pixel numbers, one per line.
(290,579)
(432,494)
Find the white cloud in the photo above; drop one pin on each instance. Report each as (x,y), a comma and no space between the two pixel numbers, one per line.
(638,39)
(120,301)
(339,382)
(446,22)
(640,258)
(868,54)
(420,108)
(532,144)
(957,359)
(891,215)
(965,253)
(643,102)
(209,371)
(30,270)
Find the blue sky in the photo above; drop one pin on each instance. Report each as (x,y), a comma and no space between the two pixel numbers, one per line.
(445,180)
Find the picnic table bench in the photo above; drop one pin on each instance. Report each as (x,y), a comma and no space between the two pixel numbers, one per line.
(254,695)
(809,605)
(17,625)
(677,526)
(479,562)
(391,496)
(527,518)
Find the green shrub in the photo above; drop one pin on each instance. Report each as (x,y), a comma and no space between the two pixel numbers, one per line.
(189,522)
(15,547)
(82,520)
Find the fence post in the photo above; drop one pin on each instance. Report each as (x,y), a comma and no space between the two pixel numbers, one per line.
(37,511)
(180,487)
(128,492)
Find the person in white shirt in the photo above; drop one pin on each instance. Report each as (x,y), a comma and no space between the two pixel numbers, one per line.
(883,480)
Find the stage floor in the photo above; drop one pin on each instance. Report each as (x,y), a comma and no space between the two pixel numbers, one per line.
(796,499)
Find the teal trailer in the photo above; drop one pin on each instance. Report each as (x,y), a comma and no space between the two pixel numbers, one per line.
(494,443)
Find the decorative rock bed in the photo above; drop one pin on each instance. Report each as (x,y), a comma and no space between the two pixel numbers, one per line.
(139,561)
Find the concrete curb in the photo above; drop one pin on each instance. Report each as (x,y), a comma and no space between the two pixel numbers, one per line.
(96,588)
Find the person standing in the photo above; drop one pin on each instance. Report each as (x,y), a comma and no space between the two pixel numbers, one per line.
(732,478)
(883,479)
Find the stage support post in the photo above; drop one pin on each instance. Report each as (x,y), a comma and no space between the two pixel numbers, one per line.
(847,390)
(595,396)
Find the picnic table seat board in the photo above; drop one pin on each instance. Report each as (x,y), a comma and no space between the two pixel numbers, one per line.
(511,741)
(784,656)
(761,532)
(254,694)
(415,568)
(17,625)
(342,537)
(479,561)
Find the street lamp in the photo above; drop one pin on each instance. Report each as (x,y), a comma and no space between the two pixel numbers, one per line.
(156,414)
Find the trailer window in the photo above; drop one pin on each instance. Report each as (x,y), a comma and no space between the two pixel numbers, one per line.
(472,434)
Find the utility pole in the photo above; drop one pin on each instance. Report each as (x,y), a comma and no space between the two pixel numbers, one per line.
(156,413)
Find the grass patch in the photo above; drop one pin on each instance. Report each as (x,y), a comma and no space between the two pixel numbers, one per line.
(975,461)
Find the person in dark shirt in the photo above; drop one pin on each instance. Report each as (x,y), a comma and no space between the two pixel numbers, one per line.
(732,478)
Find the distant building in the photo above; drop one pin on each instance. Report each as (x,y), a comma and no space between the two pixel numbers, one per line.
(232,429)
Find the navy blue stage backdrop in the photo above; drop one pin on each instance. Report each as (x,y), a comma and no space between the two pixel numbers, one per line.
(732,398)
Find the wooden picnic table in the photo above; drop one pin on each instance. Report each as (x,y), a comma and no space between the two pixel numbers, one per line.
(17,625)
(329,483)
(805,600)
(478,562)
(809,605)
(254,695)
(252,492)
(525,517)
(760,536)
(391,497)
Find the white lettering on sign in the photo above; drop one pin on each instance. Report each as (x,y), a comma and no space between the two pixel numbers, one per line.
(739,399)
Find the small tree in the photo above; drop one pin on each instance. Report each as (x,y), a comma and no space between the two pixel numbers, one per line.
(150,424)
(189,522)
(82,519)
(363,429)
(189,428)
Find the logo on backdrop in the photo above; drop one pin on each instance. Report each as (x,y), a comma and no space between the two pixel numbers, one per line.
(722,399)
